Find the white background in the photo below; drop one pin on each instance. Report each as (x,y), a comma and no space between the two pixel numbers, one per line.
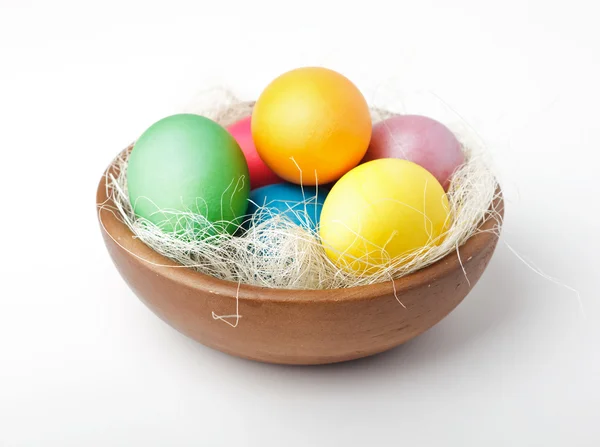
(84,363)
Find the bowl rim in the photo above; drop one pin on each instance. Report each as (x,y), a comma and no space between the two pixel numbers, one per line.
(116,230)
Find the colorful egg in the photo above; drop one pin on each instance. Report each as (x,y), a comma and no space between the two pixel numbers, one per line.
(187,163)
(302,205)
(380,211)
(311,125)
(419,139)
(260,174)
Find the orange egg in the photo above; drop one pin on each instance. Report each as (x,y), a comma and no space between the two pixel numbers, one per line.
(311,125)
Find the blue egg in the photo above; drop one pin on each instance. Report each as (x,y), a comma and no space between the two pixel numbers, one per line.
(302,205)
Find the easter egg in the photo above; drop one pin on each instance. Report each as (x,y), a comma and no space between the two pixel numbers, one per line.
(419,139)
(260,174)
(187,163)
(380,211)
(302,205)
(311,125)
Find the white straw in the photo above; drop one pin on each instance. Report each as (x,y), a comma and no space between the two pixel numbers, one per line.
(277,253)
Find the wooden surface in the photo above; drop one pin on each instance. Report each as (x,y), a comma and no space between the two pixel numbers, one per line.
(293,326)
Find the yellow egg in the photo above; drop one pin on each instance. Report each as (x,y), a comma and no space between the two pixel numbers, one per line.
(382,211)
(311,125)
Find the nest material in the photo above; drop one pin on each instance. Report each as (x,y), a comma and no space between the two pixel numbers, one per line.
(277,253)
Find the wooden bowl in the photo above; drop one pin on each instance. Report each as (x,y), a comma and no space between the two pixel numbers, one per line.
(294,326)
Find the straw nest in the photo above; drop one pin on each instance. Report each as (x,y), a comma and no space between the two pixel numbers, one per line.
(276,253)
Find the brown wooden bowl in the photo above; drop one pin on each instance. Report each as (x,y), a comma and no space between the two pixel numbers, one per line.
(295,326)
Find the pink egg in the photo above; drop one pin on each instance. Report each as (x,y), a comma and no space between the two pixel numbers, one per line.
(419,139)
(260,174)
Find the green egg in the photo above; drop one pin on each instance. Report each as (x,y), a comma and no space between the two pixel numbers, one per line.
(188,163)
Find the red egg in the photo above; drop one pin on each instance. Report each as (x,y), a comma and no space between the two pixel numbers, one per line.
(260,174)
(419,139)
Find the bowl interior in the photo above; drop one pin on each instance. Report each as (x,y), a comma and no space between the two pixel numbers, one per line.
(116,230)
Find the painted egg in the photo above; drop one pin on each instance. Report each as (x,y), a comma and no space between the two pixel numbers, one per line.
(380,211)
(302,205)
(186,165)
(260,174)
(419,139)
(311,125)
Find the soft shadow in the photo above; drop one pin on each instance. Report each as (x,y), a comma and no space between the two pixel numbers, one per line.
(484,314)
(492,303)
(486,311)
